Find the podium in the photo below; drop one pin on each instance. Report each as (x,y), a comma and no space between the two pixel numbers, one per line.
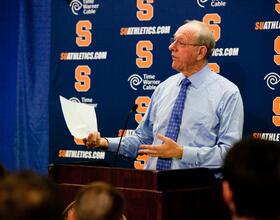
(150,195)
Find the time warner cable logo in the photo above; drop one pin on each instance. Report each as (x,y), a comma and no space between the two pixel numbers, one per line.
(85,100)
(135,80)
(75,5)
(201,3)
(148,81)
(88,6)
(272,79)
(214,3)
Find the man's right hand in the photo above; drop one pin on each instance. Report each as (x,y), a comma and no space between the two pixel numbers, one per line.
(95,140)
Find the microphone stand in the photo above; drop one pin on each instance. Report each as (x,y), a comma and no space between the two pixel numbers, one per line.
(133,109)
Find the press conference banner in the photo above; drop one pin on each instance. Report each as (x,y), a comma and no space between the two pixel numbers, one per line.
(113,54)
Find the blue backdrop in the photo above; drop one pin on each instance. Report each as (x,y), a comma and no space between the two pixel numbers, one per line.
(135,35)
(112,54)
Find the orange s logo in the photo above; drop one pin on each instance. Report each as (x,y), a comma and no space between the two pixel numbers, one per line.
(123,31)
(277,50)
(79,141)
(83,32)
(146,10)
(214,67)
(83,80)
(277,7)
(145,56)
(214,27)
(140,162)
(143,103)
(276,110)
(61,153)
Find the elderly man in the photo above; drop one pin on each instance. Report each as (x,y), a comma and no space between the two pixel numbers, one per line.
(194,116)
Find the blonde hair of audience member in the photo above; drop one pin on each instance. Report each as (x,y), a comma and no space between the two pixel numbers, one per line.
(68,213)
(98,201)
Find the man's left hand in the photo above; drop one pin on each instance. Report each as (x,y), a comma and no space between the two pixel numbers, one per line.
(167,149)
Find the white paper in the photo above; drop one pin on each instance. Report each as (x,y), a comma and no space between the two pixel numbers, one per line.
(80,118)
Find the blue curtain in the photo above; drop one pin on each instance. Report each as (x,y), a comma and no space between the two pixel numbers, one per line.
(30,146)
(8,60)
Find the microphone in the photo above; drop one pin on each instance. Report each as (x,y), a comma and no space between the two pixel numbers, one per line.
(133,109)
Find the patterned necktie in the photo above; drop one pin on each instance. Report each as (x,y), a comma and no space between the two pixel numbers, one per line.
(174,122)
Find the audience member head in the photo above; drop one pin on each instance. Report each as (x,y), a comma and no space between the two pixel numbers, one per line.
(29,196)
(251,185)
(3,171)
(68,213)
(98,201)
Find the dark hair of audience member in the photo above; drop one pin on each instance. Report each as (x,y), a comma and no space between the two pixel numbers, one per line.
(252,169)
(29,196)
(3,171)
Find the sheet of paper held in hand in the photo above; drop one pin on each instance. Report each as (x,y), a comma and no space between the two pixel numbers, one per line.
(80,118)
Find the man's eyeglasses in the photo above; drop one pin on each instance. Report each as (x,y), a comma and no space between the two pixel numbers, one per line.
(181,43)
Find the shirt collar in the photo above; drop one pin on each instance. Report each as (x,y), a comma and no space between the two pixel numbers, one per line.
(197,78)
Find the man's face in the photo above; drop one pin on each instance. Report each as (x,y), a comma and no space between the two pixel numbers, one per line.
(184,50)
